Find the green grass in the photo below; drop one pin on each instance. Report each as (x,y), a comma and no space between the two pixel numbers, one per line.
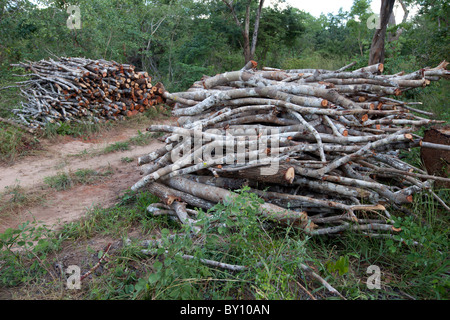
(15,143)
(84,130)
(117,146)
(141,139)
(66,180)
(126,159)
(15,198)
(271,252)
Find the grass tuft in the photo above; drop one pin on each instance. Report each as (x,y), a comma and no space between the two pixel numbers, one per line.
(67,180)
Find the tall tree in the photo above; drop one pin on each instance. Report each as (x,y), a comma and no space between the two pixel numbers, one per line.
(377,47)
(249,47)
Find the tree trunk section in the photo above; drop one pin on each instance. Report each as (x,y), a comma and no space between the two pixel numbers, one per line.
(377,48)
(281,173)
(437,161)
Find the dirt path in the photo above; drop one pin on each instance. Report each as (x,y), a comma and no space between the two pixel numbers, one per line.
(64,206)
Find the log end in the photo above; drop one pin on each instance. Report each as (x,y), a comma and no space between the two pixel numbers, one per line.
(436,160)
(364,118)
(289,175)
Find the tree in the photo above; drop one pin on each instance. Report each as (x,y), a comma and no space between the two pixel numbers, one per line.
(249,48)
(377,47)
(358,15)
(279,32)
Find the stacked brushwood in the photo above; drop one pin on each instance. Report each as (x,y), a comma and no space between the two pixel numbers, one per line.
(83,90)
(321,147)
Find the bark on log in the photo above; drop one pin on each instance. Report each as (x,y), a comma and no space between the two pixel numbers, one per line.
(277,173)
(215,194)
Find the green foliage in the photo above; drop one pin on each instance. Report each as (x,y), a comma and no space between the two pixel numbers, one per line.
(341,265)
(423,248)
(23,251)
(233,233)
(126,159)
(60,181)
(173,277)
(78,130)
(412,233)
(114,221)
(313,60)
(117,146)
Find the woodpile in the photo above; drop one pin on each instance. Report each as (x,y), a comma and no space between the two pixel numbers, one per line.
(79,89)
(321,147)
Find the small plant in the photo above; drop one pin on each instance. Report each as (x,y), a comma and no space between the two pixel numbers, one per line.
(126,159)
(65,181)
(60,181)
(23,252)
(141,139)
(426,242)
(16,197)
(340,266)
(117,146)
(423,250)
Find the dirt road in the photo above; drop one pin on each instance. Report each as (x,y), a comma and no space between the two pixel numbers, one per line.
(67,156)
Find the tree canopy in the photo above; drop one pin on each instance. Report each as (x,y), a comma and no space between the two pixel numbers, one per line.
(179,41)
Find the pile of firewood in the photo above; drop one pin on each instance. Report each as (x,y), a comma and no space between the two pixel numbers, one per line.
(321,147)
(79,89)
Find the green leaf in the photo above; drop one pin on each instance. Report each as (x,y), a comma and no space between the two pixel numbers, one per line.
(140,285)
(157,265)
(129,288)
(153,278)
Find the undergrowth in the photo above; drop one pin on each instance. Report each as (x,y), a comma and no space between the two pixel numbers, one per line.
(413,264)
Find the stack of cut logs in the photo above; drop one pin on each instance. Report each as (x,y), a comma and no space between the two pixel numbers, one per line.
(321,147)
(79,89)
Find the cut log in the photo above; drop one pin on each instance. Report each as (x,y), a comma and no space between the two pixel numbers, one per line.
(215,194)
(277,173)
(437,161)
